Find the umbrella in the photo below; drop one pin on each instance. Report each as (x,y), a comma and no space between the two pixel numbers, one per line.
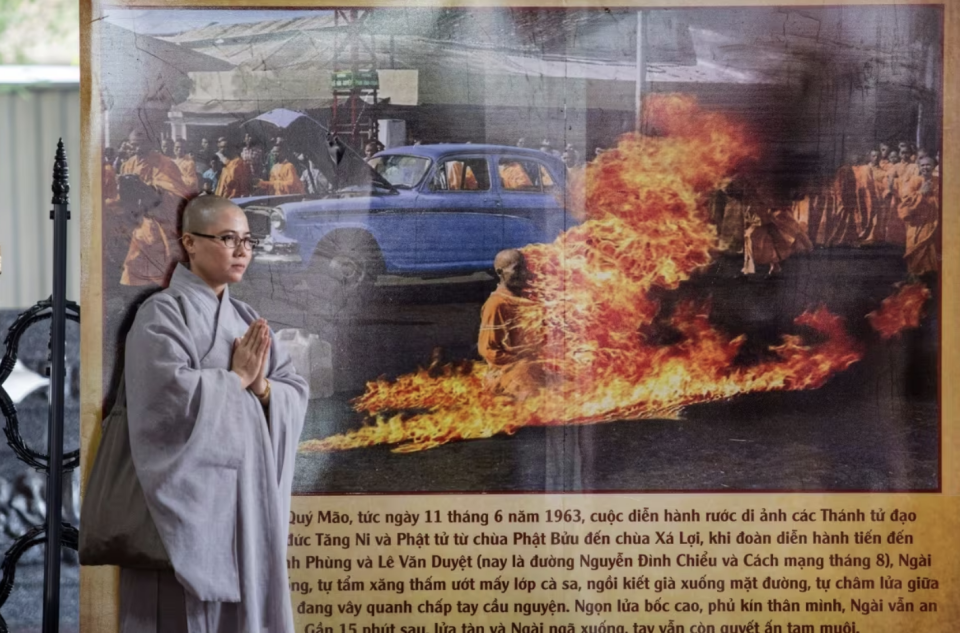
(283,119)
(340,165)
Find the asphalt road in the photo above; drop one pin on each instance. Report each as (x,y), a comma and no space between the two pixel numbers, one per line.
(874,427)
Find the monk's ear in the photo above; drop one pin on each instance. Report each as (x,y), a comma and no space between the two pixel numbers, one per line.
(188,243)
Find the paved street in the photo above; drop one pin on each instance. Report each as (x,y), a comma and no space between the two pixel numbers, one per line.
(875,427)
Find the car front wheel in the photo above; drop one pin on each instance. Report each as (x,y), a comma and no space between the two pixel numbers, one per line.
(343,270)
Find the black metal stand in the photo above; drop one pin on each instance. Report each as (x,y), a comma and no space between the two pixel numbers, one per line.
(51,573)
(55,463)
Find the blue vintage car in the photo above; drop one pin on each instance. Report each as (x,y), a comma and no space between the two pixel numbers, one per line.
(424,210)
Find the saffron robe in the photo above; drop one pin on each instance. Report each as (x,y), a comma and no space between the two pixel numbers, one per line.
(188,171)
(148,256)
(283,180)
(921,214)
(771,236)
(234,180)
(845,220)
(877,198)
(108,185)
(508,349)
(514,177)
(896,232)
(156,170)
(216,471)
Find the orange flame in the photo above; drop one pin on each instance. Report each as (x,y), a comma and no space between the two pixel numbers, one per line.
(900,311)
(645,226)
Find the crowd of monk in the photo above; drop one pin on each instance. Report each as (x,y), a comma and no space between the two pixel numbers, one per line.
(893,197)
(175,174)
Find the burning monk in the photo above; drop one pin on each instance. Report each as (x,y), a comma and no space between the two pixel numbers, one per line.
(509,350)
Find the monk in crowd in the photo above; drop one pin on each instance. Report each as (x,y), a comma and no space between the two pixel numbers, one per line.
(284,178)
(920,211)
(158,197)
(234,181)
(510,351)
(772,234)
(188,167)
(891,198)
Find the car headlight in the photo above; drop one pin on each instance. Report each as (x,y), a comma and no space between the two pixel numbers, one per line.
(277,220)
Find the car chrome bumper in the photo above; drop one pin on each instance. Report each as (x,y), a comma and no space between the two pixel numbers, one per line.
(277,258)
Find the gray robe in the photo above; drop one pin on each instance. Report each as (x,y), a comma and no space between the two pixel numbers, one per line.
(216,472)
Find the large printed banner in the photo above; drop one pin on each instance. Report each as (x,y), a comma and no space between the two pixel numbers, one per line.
(616,318)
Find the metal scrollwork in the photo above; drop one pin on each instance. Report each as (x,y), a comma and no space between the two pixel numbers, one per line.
(8,567)
(42,311)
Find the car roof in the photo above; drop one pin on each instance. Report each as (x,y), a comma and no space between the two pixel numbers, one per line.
(439,150)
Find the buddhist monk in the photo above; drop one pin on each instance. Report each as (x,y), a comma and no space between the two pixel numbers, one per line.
(215,415)
(771,236)
(234,179)
(514,177)
(903,148)
(913,167)
(155,170)
(283,176)
(150,256)
(510,351)
(188,167)
(842,226)
(160,173)
(920,211)
(896,231)
(874,196)
(884,154)
(460,176)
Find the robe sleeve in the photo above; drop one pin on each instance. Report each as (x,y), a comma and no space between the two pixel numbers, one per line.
(187,439)
(493,335)
(167,176)
(911,200)
(289,395)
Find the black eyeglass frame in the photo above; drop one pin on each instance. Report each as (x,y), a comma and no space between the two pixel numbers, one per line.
(248,243)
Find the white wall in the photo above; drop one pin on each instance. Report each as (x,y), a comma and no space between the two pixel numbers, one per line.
(31,121)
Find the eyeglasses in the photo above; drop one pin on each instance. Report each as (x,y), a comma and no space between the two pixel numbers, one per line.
(232,241)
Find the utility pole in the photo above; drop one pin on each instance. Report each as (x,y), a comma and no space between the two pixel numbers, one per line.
(641,89)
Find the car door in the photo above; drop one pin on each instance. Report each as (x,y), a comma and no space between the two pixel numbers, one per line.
(529,200)
(458,226)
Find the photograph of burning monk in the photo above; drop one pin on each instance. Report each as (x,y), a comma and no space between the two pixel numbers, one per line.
(592,250)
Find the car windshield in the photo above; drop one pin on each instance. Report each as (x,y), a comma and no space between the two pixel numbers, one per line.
(401,171)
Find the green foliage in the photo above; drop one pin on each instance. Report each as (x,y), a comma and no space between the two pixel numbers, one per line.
(39,31)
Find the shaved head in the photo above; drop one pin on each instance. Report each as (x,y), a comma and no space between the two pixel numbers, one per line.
(511,271)
(203,211)
(506,257)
